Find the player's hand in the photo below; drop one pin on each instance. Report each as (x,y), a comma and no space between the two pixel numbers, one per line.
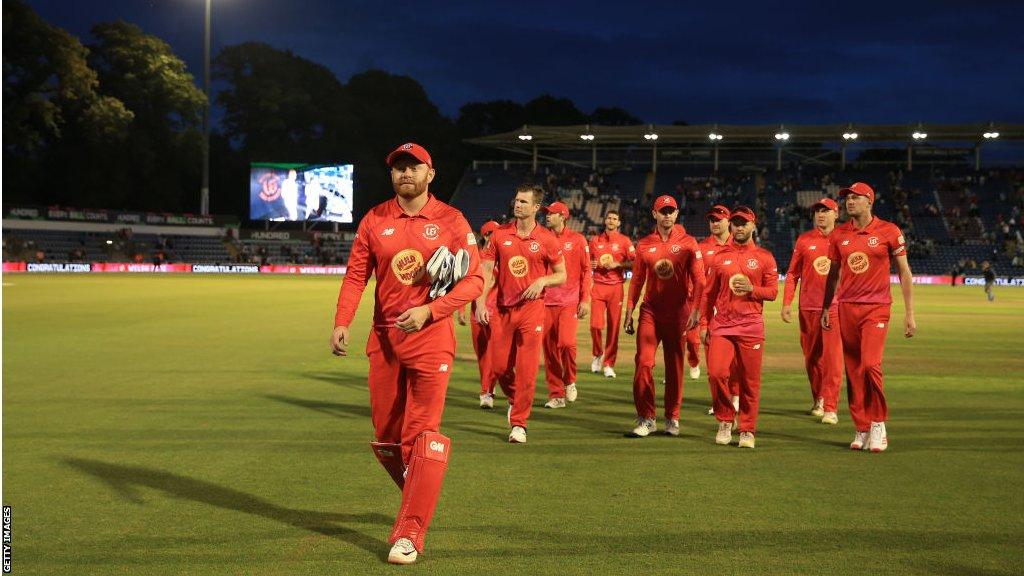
(460,316)
(705,337)
(339,341)
(787,314)
(909,325)
(826,322)
(583,310)
(413,319)
(628,324)
(483,316)
(694,319)
(533,291)
(741,285)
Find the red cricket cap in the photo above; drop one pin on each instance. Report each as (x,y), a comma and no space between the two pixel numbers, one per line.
(664,201)
(488,227)
(744,213)
(718,212)
(825,202)
(557,208)
(860,189)
(410,149)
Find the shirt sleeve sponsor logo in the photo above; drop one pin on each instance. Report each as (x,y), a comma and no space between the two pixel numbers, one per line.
(534,246)
(699,255)
(733,281)
(664,269)
(822,264)
(518,266)
(430,231)
(752,263)
(407,266)
(470,238)
(901,240)
(858,262)
(586,249)
(631,250)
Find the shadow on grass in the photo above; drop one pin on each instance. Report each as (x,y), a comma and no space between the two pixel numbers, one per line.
(126,480)
(337,409)
(336,378)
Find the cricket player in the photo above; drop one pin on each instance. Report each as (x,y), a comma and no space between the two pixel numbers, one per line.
(718,238)
(862,252)
(668,263)
(741,279)
(411,346)
(481,333)
(823,350)
(565,305)
(611,254)
(516,263)
(990,279)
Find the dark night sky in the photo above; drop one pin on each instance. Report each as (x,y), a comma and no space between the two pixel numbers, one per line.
(728,62)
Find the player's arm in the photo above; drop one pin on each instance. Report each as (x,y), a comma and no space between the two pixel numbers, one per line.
(906,286)
(768,289)
(696,278)
(707,308)
(586,282)
(830,290)
(636,286)
(483,315)
(360,266)
(556,278)
(792,279)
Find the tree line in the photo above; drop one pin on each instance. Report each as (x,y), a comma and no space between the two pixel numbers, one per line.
(117,122)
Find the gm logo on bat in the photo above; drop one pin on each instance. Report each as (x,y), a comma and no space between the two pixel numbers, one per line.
(437,446)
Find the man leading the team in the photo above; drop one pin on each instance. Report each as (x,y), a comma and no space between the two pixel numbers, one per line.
(411,346)
(610,253)
(743,277)
(823,350)
(516,264)
(565,305)
(862,252)
(668,263)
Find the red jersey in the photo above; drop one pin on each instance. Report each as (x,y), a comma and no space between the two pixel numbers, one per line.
(518,261)
(709,249)
(395,247)
(673,272)
(864,257)
(578,275)
(608,247)
(809,266)
(730,314)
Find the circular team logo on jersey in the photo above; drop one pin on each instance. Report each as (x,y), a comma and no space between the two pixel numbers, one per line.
(518,266)
(534,246)
(822,265)
(606,260)
(752,263)
(676,248)
(568,246)
(733,280)
(664,269)
(407,266)
(858,262)
(430,231)
(873,241)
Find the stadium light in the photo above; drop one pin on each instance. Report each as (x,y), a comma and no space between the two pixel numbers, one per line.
(586,137)
(850,136)
(782,136)
(525,137)
(919,135)
(650,136)
(991,135)
(714,136)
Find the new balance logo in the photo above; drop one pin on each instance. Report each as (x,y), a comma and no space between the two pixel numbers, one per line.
(388,232)
(443,368)
(757,346)
(539,329)
(506,243)
(727,262)
(437,446)
(812,247)
(846,242)
(880,325)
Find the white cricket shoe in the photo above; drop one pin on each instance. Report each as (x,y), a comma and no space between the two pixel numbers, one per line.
(403,552)
(711,411)
(877,439)
(517,435)
(595,364)
(746,439)
(724,435)
(695,372)
(859,440)
(671,427)
(609,372)
(487,401)
(555,403)
(571,392)
(644,427)
(818,410)
(830,418)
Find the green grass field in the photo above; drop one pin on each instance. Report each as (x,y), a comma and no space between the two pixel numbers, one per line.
(199,425)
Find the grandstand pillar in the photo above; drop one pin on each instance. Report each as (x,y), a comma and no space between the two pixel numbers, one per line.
(593,157)
(910,157)
(778,158)
(654,157)
(534,158)
(977,157)
(842,157)
(716,158)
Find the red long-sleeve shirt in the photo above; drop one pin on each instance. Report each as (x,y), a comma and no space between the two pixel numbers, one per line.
(730,314)
(809,267)
(865,257)
(608,247)
(395,247)
(578,276)
(519,261)
(673,272)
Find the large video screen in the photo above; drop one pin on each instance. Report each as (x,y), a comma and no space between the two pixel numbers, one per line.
(297,192)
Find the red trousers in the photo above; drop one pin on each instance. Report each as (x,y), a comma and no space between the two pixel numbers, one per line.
(516,337)
(739,358)
(693,347)
(863,328)
(671,335)
(606,308)
(408,379)
(823,357)
(559,348)
(481,336)
(734,383)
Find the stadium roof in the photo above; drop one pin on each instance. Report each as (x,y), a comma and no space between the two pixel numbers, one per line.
(568,136)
